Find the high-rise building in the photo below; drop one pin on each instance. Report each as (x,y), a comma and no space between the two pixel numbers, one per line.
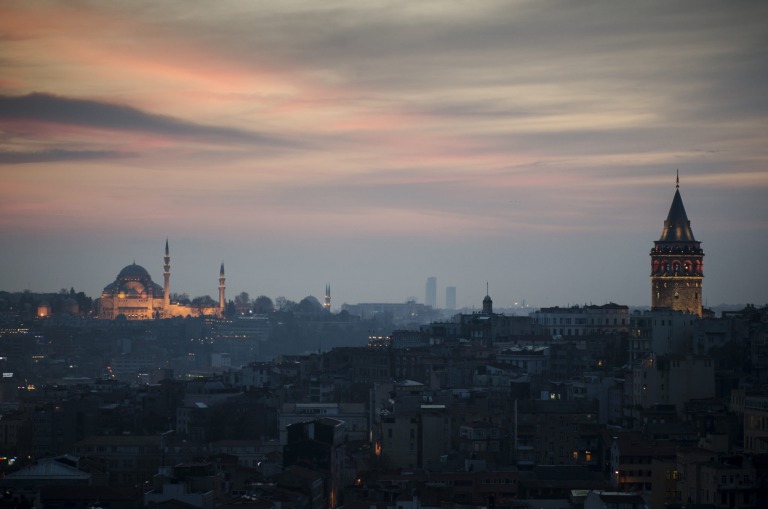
(430,298)
(677,263)
(450,297)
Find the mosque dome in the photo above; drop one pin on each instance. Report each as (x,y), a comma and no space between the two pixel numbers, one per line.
(133,271)
(134,281)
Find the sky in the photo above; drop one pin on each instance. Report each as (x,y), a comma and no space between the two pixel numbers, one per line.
(529,145)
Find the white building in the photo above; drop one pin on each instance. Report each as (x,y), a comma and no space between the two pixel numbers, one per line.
(534,360)
(583,320)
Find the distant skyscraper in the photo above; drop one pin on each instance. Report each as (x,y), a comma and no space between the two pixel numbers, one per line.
(677,263)
(431,293)
(450,297)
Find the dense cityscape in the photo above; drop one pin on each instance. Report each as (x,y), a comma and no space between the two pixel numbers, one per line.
(146,398)
(291,254)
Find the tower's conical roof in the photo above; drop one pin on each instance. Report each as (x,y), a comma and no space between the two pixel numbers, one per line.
(677,227)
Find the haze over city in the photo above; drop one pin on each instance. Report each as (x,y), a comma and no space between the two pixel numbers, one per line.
(369,145)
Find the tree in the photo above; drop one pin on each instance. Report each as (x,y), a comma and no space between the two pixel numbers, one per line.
(181,298)
(84,302)
(243,302)
(263,305)
(284,305)
(204,301)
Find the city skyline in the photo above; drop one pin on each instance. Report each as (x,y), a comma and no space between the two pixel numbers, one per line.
(370,145)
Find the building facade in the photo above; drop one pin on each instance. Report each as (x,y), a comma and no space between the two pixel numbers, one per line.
(556,432)
(585,320)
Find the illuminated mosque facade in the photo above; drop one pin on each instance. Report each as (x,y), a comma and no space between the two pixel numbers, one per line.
(135,296)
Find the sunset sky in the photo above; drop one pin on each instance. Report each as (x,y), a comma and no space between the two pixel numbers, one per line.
(532,145)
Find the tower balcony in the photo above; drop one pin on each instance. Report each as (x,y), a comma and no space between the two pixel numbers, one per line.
(677,273)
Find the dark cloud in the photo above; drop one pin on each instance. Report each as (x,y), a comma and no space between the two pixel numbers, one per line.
(45,156)
(84,112)
(406,44)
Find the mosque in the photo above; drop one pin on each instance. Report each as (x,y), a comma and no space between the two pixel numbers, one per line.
(135,296)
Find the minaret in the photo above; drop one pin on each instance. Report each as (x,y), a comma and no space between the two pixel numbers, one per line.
(677,263)
(327,301)
(167,276)
(222,302)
